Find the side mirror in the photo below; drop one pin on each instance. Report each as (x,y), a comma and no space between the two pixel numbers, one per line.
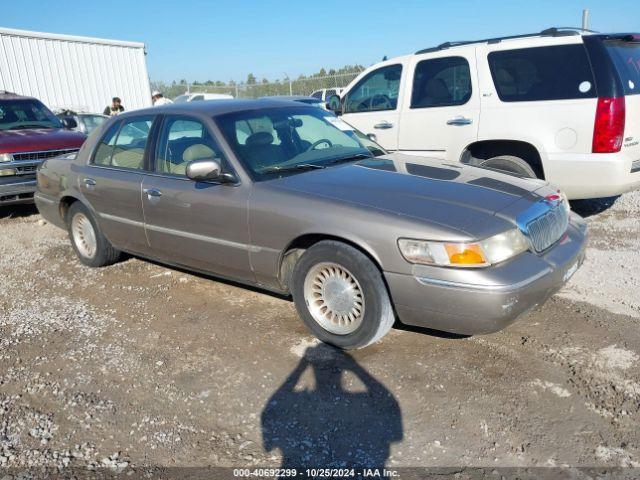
(207,171)
(334,104)
(69,122)
(202,170)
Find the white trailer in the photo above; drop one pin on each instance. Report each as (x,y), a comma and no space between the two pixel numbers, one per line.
(79,73)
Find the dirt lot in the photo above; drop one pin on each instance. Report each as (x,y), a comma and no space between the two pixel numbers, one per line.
(138,364)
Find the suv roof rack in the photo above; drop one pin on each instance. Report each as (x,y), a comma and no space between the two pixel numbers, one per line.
(548,32)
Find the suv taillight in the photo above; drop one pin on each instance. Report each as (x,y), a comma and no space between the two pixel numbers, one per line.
(608,130)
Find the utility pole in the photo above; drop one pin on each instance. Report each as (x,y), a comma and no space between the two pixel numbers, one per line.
(585,19)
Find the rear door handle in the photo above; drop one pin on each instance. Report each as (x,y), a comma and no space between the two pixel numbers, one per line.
(152,192)
(384,125)
(89,182)
(459,121)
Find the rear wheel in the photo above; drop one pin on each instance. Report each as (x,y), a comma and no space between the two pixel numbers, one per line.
(340,295)
(509,164)
(91,246)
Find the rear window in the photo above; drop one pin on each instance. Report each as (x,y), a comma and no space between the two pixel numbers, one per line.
(543,73)
(626,58)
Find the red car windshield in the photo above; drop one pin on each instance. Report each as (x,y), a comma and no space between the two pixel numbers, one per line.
(22,114)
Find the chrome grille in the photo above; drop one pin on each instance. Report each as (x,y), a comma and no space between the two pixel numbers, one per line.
(41,155)
(546,229)
(27,169)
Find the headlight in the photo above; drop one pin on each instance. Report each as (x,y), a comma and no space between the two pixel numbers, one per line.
(487,252)
(6,157)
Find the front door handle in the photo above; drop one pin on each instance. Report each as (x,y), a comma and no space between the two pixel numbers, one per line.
(384,125)
(89,182)
(152,192)
(459,121)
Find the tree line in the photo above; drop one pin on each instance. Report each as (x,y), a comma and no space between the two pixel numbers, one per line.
(252,87)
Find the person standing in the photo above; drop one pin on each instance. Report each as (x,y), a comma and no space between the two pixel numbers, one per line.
(158,99)
(115,108)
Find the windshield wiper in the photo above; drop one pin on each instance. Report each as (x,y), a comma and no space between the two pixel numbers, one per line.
(349,158)
(293,168)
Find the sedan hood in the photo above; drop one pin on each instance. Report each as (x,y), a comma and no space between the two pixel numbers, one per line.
(37,140)
(463,197)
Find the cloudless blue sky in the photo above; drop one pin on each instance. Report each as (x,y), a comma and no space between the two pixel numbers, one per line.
(226,39)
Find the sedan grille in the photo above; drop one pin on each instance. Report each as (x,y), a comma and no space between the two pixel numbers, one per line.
(546,229)
(41,155)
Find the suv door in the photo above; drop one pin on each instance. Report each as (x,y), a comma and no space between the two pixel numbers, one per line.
(440,117)
(202,225)
(372,105)
(112,180)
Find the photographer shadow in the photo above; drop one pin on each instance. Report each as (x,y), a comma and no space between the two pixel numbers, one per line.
(345,419)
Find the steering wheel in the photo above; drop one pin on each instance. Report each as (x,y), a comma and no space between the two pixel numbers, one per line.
(380,100)
(320,142)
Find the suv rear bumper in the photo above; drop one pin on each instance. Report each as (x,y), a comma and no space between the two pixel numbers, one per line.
(17,190)
(508,290)
(593,175)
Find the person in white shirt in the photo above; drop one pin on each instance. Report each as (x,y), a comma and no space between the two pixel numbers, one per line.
(158,99)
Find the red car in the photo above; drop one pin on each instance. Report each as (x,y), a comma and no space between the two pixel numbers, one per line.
(29,134)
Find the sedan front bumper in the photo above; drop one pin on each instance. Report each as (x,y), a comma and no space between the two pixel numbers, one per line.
(486,300)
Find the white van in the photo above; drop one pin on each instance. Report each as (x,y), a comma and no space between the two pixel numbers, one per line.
(563,105)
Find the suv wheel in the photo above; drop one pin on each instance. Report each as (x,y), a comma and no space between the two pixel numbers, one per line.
(509,164)
(340,295)
(91,246)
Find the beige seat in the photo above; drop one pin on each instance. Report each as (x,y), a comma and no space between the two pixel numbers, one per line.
(128,158)
(199,151)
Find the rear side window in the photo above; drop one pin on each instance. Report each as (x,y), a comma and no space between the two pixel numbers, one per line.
(105,147)
(626,58)
(126,149)
(441,82)
(544,73)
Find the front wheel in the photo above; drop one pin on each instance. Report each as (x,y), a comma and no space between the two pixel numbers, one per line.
(91,246)
(340,295)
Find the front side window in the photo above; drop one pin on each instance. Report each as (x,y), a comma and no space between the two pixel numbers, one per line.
(276,141)
(184,140)
(197,98)
(126,149)
(441,82)
(317,94)
(375,92)
(23,114)
(542,73)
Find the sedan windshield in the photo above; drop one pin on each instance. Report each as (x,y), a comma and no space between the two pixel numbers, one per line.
(22,114)
(289,140)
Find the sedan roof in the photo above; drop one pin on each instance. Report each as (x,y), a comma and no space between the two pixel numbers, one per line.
(214,107)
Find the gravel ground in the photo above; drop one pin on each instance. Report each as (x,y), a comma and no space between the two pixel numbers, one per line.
(140,365)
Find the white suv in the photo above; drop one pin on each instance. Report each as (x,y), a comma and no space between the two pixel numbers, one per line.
(563,105)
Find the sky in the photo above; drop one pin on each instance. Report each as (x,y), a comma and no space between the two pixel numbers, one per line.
(224,39)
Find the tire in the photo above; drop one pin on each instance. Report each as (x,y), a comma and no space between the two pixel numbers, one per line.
(333,277)
(90,245)
(509,164)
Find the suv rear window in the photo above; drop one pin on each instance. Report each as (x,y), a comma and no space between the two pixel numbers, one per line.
(543,73)
(626,58)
